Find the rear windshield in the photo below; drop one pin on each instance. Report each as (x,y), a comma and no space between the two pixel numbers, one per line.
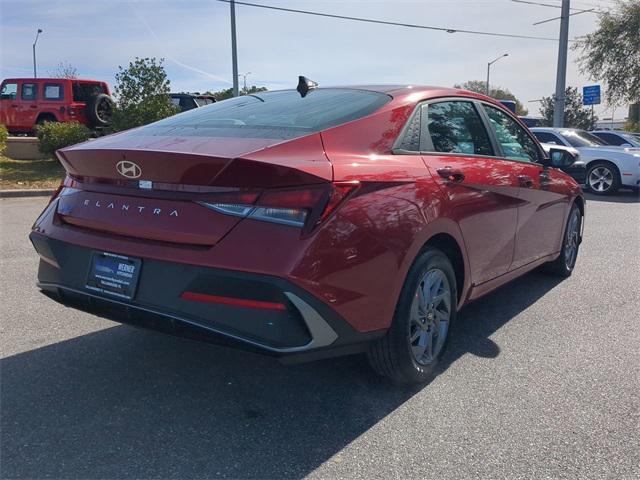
(580,138)
(83,92)
(282,114)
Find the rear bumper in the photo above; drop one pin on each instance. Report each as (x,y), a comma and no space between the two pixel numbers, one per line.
(302,327)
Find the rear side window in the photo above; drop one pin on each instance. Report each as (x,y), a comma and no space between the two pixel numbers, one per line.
(83,92)
(9,91)
(456,127)
(282,114)
(29,91)
(610,138)
(53,91)
(516,143)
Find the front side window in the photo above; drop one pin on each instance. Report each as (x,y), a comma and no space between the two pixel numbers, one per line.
(53,91)
(9,91)
(456,127)
(29,91)
(515,141)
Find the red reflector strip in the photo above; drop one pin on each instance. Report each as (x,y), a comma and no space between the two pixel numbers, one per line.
(236,302)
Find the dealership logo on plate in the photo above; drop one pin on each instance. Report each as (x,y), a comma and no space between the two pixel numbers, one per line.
(128,169)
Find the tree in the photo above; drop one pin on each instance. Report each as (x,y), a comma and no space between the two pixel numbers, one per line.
(64,70)
(228,92)
(499,93)
(611,54)
(575,114)
(142,94)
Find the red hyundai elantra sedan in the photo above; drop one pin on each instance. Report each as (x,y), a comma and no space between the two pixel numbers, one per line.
(310,224)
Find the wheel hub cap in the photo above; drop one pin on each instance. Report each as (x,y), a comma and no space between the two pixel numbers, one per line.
(430,315)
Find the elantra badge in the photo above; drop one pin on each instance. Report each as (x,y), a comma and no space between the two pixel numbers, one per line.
(128,169)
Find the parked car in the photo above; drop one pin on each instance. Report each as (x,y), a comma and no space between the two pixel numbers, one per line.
(618,139)
(310,223)
(27,102)
(568,160)
(188,101)
(531,121)
(608,167)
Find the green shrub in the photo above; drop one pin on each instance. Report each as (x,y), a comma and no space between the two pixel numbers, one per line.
(55,135)
(3,138)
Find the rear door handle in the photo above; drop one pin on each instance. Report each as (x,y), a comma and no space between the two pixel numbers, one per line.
(452,175)
(525,181)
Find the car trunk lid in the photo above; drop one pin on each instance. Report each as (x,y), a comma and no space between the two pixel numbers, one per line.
(154,187)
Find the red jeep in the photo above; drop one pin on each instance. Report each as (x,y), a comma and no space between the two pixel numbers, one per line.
(27,102)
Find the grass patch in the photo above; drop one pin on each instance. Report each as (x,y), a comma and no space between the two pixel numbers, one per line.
(18,174)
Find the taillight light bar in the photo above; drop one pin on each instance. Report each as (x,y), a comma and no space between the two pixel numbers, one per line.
(302,207)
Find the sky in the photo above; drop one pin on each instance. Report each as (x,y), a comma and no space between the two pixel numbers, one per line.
(194,38)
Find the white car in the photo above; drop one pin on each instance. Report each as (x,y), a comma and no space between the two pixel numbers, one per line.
(608,167)
(618,139)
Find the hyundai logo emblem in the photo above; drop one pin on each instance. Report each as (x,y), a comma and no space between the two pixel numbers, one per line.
(128,169)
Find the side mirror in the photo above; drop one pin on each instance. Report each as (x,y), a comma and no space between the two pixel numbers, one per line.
(626,145)
(561,158)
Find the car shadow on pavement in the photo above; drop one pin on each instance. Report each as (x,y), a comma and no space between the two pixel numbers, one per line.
(621,196)
(127,403)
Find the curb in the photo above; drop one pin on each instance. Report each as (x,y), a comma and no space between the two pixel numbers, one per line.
(35,192)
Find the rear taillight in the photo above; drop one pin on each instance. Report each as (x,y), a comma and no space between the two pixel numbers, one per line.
(67,182)
(297,207)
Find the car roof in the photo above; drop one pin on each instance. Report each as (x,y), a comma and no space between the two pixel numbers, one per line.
(51,79)
(406,94)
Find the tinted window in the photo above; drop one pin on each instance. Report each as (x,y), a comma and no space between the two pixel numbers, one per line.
(456,127)
(610,138)
(580,138)
(187,103)
(283,114)
(29,91)
(515,141)
(9,91)
(83,92)
(53,91)
(546,137)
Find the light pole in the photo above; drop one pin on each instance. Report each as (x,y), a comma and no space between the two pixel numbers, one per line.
(489,69)
(561,75)
(234,48)
(244,80)
(35,73)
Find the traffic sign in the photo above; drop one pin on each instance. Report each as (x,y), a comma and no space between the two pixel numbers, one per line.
(591,95)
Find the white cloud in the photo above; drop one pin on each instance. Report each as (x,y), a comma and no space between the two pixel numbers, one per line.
(193,35)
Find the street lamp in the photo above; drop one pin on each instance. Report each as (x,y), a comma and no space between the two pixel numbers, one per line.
(489,68)
(35,74)
(244,79)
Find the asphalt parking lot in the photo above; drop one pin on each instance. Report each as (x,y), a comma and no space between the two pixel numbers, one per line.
(541,381)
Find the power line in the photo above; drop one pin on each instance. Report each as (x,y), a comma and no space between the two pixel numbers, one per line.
(396,24)
(558,18)
(539,4)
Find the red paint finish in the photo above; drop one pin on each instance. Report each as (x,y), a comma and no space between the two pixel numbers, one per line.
(20,113)
(356,258)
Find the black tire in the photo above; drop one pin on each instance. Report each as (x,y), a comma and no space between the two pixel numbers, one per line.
(602,187)
(393,355)
(46,118)
(99,110)
(563,265)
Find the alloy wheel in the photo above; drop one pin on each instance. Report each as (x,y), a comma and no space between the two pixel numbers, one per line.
(572,239)
(430,316)
(600,179)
